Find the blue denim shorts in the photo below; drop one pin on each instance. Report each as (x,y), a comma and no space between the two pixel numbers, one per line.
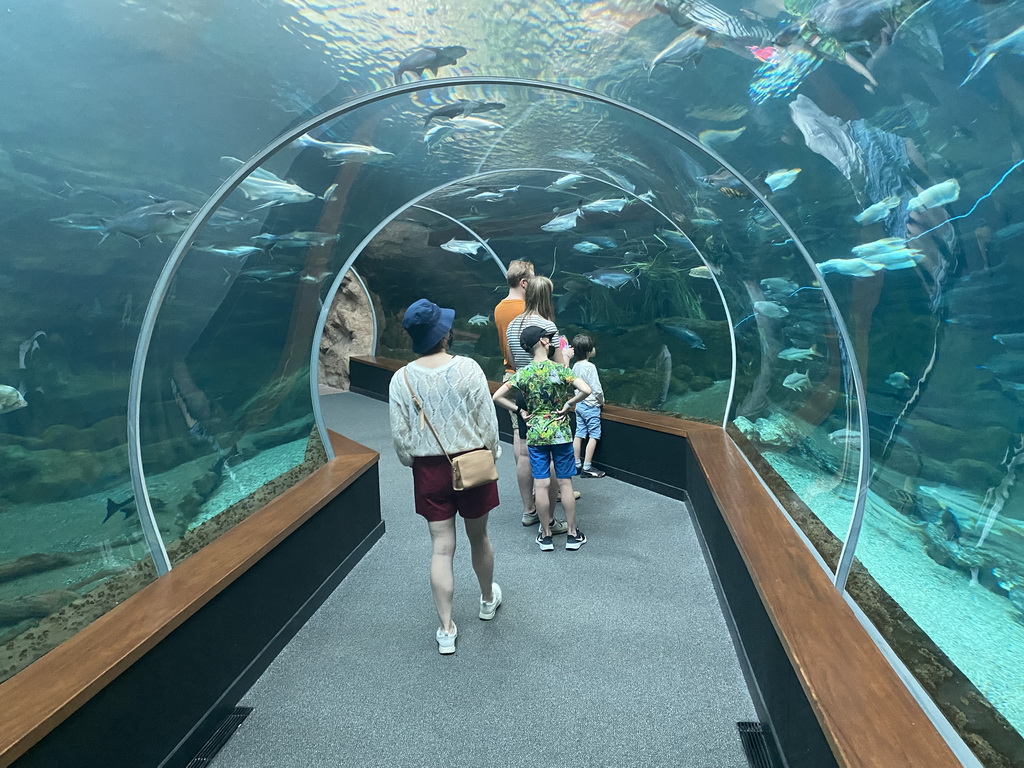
(588,421)
(541,456)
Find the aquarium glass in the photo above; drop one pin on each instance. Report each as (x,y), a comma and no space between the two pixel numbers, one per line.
(884,135)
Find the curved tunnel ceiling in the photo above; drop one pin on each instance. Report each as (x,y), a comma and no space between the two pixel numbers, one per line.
(680,179)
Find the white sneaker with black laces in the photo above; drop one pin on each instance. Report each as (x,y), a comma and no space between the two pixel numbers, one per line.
(487,610)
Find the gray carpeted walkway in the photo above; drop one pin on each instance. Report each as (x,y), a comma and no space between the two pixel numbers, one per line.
(616,655)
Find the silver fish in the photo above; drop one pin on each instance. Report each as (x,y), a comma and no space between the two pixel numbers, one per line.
(10,399)
(878,211)
(898,380)
(295,239)
(564,222)
(770,309)
(779,286)
(345,153)
(847,437)
(612,278)
(606,205)
(239,252)
(87,222)
(564,182)
(798,382)
(479,319)
(704,273)
(586,247)
(1012,43)
(797,353)
(27,347)
(781,179)
(941,194)
(712,138)
(168,218)
(850,267)
(465,247)
(688,46)
(684,334)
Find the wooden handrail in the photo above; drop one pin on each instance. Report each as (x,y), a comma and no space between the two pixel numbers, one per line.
(41,696)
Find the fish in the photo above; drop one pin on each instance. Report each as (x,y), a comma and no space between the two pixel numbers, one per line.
(125,507)
(564,222)
(898,380)
(781,179)
(647,197)
(586,247)
(1005,233)
(314,277)
(240,252)
(797,353)
(713,138)
(488,196)
(704,273)
(225,218)
(941,194)
(345,153)
(604,242)
(438,133)
(798,382)
(479,320)
(168,218)
(462,107)
(11,399)
(849,267)
(328,194)
(687,47)
(612,277)
(578,155)
(509,190)
(126,196)
(465,247)
(27,347)
(1011,340)
(605,205)
(87,222)
(564,182)
(1008,365)
(681,332)
(273,193)
(295,239)
(779,286)
(429,57)
(620,180)
(1012,43)
(717,114)
(848,437)
(663,367)
(878,211)
(770,309)
(266,275)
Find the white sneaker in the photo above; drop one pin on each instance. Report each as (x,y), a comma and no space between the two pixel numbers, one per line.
(446,642)
(487,610)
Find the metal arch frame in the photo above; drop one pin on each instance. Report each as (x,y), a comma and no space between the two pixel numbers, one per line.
(174,261)
(414,203)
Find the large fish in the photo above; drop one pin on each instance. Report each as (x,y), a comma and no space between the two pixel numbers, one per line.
(564,222)
(612,278)
(428,57)
(465,247)
(1012,43)
(438,133)
(463,108)
(712,138)
(563,183)
(941,194)
(877,212)
(345,153)
(10,399)
(160,219)
(295,239)
(681,332)
(606,205)
(687,47)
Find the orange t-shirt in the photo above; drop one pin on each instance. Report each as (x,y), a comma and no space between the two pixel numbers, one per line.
(507,311)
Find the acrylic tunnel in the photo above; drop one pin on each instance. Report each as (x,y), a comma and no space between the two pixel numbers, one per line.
(795,223)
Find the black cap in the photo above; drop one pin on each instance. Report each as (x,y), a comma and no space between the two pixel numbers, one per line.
(531,335)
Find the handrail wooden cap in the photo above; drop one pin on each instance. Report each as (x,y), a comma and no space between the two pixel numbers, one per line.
(41,696)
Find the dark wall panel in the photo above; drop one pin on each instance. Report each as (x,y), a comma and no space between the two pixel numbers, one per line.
(181,690)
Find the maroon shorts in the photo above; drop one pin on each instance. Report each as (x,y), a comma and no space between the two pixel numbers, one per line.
(436,500)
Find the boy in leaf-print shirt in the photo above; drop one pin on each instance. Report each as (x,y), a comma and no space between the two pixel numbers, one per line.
(550,391)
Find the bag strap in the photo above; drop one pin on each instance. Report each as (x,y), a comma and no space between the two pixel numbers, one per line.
(423,415)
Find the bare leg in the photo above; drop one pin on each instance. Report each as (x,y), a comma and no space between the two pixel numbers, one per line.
(591,447)
(545,504)
(483,555)
(568,503)
(524,476)
(577,444)
(442,575)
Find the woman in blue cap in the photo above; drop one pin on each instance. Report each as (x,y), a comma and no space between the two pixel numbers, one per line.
(455,398)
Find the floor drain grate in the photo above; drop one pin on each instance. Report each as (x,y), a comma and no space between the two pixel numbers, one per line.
(220,737)
(755,745)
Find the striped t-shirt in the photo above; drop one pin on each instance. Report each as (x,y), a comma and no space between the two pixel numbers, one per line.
(520,357)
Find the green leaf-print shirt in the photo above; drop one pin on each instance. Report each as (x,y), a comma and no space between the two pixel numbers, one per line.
(546,386)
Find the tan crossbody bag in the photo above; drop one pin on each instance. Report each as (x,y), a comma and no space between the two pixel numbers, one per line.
(469,470)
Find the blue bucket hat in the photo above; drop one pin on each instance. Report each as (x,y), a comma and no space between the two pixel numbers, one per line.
(427,324)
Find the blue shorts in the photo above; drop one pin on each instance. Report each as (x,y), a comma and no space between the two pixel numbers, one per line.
(541,456)
(588,421)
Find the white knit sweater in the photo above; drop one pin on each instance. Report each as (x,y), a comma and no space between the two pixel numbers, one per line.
(458,404)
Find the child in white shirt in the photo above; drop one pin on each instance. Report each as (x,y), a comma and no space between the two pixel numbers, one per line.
(588,413)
